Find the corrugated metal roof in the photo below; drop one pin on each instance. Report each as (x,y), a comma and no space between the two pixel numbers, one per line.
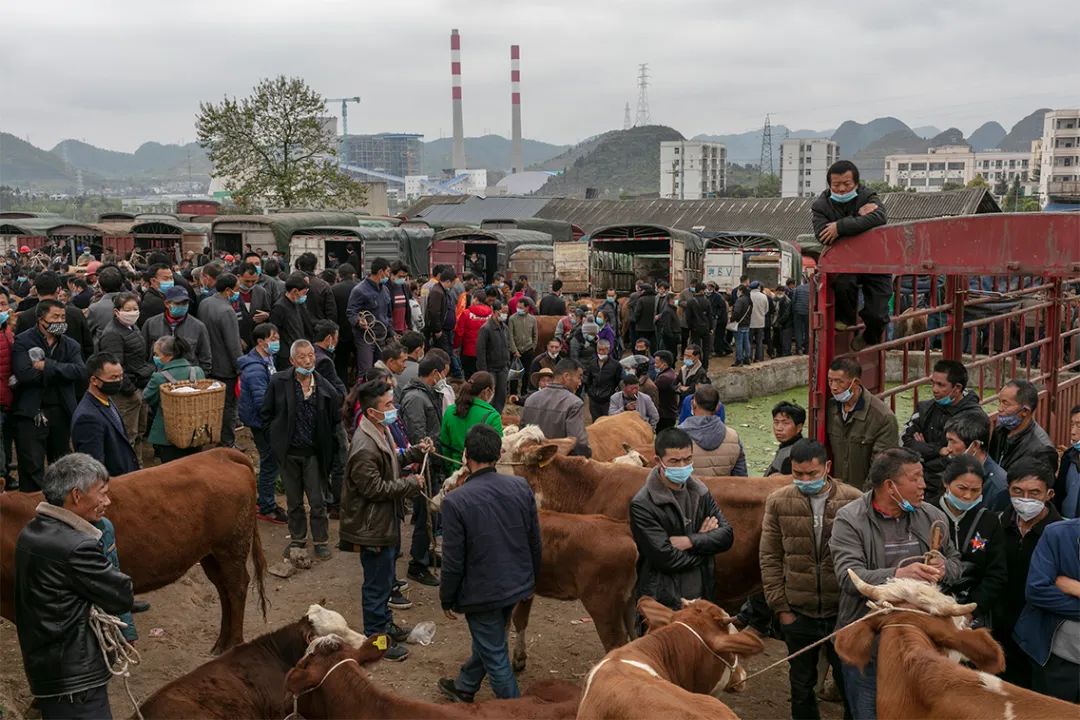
(180,227)
(283,225)
(429,200)
(477,209)
(40,226)
(908,206)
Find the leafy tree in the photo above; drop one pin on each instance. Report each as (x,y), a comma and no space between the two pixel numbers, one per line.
(951,186)
(274,148)
(978,182)
(768,186)
(1001,186)
(881,187)
(1014,198)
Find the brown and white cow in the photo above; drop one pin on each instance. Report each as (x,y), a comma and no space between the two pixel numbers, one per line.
(609,435)
(247,681)
(670,672)
(326,684)
(579,485)
(918,675)
(589,558)
(200,509)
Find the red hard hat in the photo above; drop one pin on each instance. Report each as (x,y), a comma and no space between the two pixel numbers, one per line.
(25,249)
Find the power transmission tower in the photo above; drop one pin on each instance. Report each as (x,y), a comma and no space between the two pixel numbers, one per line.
(626,124)
(643,96)
(766,149)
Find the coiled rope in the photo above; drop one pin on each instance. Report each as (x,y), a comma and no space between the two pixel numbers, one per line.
(108,629)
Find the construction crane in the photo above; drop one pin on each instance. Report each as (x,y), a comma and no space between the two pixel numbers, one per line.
(344,111)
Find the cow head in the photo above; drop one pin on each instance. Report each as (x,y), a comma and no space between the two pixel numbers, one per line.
(631,457)
(323,656)
(324,621)
(699,623)
(936,616)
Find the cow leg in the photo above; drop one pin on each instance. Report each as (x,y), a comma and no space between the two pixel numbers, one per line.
(521,622)
(609,616)
(230,578)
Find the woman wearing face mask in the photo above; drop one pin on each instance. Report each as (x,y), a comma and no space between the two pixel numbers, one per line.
(473,407)
(605,322)
(122,339)
(170,359)
(977,534)
(493,352)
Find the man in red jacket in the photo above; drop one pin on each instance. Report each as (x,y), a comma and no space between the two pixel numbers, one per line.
(467,331)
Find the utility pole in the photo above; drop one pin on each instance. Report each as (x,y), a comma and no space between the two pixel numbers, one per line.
(626,123)
(643,96)
(766,149)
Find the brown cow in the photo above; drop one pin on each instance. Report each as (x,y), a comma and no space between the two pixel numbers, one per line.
(579,485)
(326,684)
(667,673)
(608,435)
(246,681)
(577,550)
(545,330)
(200,509)
(915,678)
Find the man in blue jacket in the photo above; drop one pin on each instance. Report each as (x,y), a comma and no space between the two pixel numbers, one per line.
(1049,626)
(372,296)
(97,428)
(491,559)
(256,368)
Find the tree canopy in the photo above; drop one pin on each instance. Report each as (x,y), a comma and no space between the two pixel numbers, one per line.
(274,148)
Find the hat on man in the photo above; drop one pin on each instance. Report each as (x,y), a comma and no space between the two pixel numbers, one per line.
(541,373)
(25,250)
(177,294)
(755,285)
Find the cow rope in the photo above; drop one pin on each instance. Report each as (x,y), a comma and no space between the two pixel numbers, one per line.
(108,629)
(425,472)
(884,608)
(706,645)
(375,331)
(295,714)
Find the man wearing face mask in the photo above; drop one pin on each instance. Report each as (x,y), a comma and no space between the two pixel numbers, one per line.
(557,409)
(493,352)
(97,427)
(300,411)
(848,208)
(290,318)
(884,534)
(601,380)
(253,307)
(677,526)
(179,322)
(372,503)
(546,360)
(925,431)
(1031,492)
(1018,435)
(218,314)
(122,339)
(797,575)
(859,425)
(47,365)
(370,296)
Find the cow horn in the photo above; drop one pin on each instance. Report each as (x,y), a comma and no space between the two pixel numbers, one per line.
(961,610)
(864,588)
(626,447)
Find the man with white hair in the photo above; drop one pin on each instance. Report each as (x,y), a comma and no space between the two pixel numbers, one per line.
(300,410)
(61,570)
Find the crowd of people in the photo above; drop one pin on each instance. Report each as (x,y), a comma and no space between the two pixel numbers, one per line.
(363,394)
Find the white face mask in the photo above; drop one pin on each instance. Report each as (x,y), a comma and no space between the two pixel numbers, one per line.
(1026,508)
(128,317)
(601,358)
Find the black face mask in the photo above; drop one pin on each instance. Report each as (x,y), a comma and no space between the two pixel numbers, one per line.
(110,387)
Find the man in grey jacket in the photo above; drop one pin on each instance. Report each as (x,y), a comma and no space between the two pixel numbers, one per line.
(218,314)
(178,321)
(631,399)
(100,313)
(557,409)
(884,534)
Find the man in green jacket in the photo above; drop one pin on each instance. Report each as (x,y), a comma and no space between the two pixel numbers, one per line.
(372,503)
(859,425)
(523,339)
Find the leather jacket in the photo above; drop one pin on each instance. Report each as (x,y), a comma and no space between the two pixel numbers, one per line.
(60,571)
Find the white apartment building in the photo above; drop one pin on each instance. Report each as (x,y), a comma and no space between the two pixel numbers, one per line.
(957,165)
(804,164)
(692,170)
(1059,172)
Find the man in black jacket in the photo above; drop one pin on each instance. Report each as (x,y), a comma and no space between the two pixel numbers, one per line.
(553,303)
(301,409)
(666,320)
(290,318)
(699,321)
(677,526)
(321,304)
(60,572)
(47,365)
(345,355)
(845,209)
(327,345)
(1017,435)
(47,285)
(491,559)
(644,315)
(493,352)
(719,306)
(601,379)
(439,313)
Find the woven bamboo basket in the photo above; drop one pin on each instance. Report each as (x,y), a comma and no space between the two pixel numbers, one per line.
(193,419)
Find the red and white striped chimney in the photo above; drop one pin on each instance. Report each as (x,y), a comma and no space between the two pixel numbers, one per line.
(517,163)
(455,95)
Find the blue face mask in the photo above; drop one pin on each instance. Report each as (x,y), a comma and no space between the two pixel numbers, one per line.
(400,281)
(304,370)
(678,475)
(1008,422)
(961,505)
(903,502)
(810,487)
(178,311)
(4,316)
(22,278)
(235,296)
(389,416)
(301,300)
(688,362)
(846,197)
(1076,445)
(945,401)
(274,346)
(165,285)
(600,321)
(258,269)
(158,363)
(384,281)
(843,397)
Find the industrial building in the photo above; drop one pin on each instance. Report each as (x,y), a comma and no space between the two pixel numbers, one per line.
(1059,171)
(804,164)
(957,165)
(692,170)
(397,154)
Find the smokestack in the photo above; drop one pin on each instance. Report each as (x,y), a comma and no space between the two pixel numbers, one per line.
(517,164)
(455,95)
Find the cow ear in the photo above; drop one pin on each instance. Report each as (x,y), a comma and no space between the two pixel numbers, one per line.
(854,642)
(626,447)
(373,649)
(541,455)
(656,615)
(741,643)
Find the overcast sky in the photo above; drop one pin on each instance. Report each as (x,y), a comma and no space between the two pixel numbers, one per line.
(120,72)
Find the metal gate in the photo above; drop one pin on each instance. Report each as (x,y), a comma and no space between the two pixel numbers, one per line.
(1001,293)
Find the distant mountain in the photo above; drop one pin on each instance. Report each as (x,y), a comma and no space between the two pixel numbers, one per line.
(152,159)
(621,162)
(1022,133)
(23,165)
(491,152)
(926,131)
(871,159)
(745,147)
(853,136)
(988,135)
(952,136)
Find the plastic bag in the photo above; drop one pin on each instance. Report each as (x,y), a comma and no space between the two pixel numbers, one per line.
(422,634)
(516,369)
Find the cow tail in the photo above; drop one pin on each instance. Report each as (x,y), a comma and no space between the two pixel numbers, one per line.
(258,560)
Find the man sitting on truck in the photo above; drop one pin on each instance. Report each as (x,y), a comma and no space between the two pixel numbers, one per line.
(848,208)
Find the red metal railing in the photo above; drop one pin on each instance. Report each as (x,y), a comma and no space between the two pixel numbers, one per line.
(999,292)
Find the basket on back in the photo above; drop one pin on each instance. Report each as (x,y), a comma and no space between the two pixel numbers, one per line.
(193,418)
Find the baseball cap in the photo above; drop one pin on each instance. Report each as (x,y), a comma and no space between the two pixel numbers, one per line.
(177,294)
